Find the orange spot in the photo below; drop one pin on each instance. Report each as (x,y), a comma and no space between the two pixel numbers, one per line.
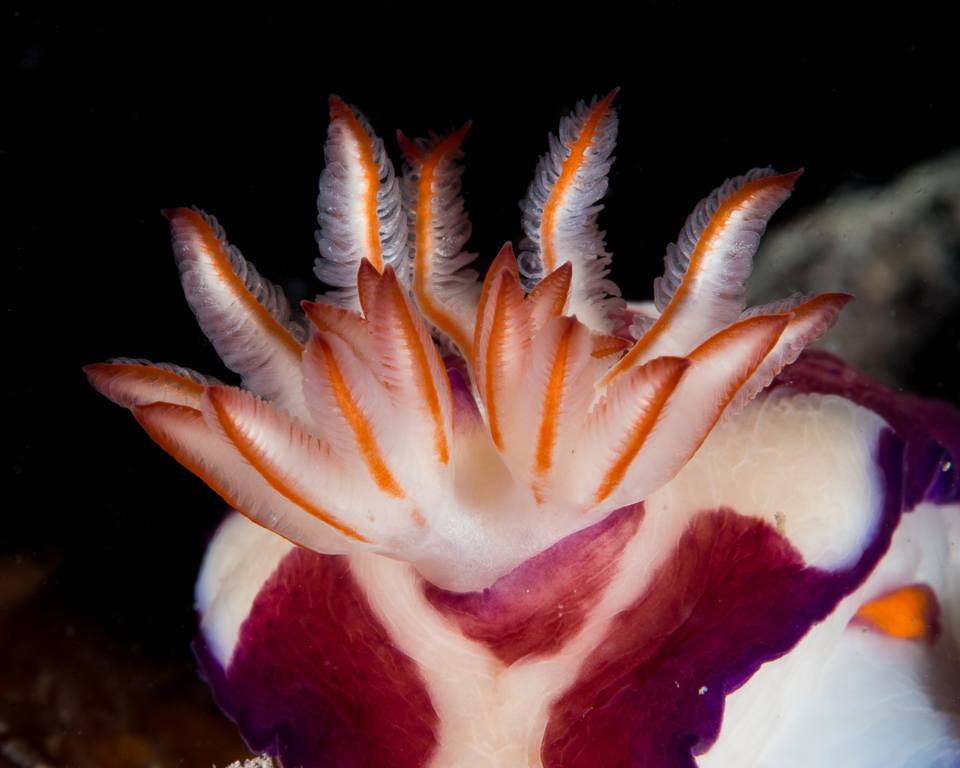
(568,176)
(910,612)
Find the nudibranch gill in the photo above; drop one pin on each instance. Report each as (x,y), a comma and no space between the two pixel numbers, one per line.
(512,521)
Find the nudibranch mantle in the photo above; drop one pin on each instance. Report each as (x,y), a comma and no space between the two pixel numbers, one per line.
(515,522)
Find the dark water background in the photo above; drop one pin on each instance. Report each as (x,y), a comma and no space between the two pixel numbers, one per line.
(110,117)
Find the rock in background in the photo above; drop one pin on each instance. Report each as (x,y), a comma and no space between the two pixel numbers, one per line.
(897,249)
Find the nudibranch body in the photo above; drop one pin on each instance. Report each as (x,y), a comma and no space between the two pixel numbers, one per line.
(513,522)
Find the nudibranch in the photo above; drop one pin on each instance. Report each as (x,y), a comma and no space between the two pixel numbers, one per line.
(512,521)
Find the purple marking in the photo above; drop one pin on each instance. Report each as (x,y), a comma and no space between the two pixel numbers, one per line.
(734,595)
(930,428)
(538,606)
(315,678)
(466,415)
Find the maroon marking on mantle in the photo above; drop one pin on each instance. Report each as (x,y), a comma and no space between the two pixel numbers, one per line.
(929,427)
(316,678)
(544,602)
(734,594)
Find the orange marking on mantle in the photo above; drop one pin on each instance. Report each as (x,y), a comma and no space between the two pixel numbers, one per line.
(910,612)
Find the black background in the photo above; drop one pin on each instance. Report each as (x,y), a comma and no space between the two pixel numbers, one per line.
(110,117)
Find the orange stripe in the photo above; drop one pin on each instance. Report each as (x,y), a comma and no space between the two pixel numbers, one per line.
(768,328)
(504,268)
(345,323)
(370,175)
(491,370)
(552,402)
(568,175)
(549,297)
(504,260)
(362,432)
(910,612)
(107,378)
(327,316)
(604,346)
(253,454)
(423,262)
(825,303)
(368,277)
(200,235)
(149,415)
(425,382)
(674,368)
(697,264)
